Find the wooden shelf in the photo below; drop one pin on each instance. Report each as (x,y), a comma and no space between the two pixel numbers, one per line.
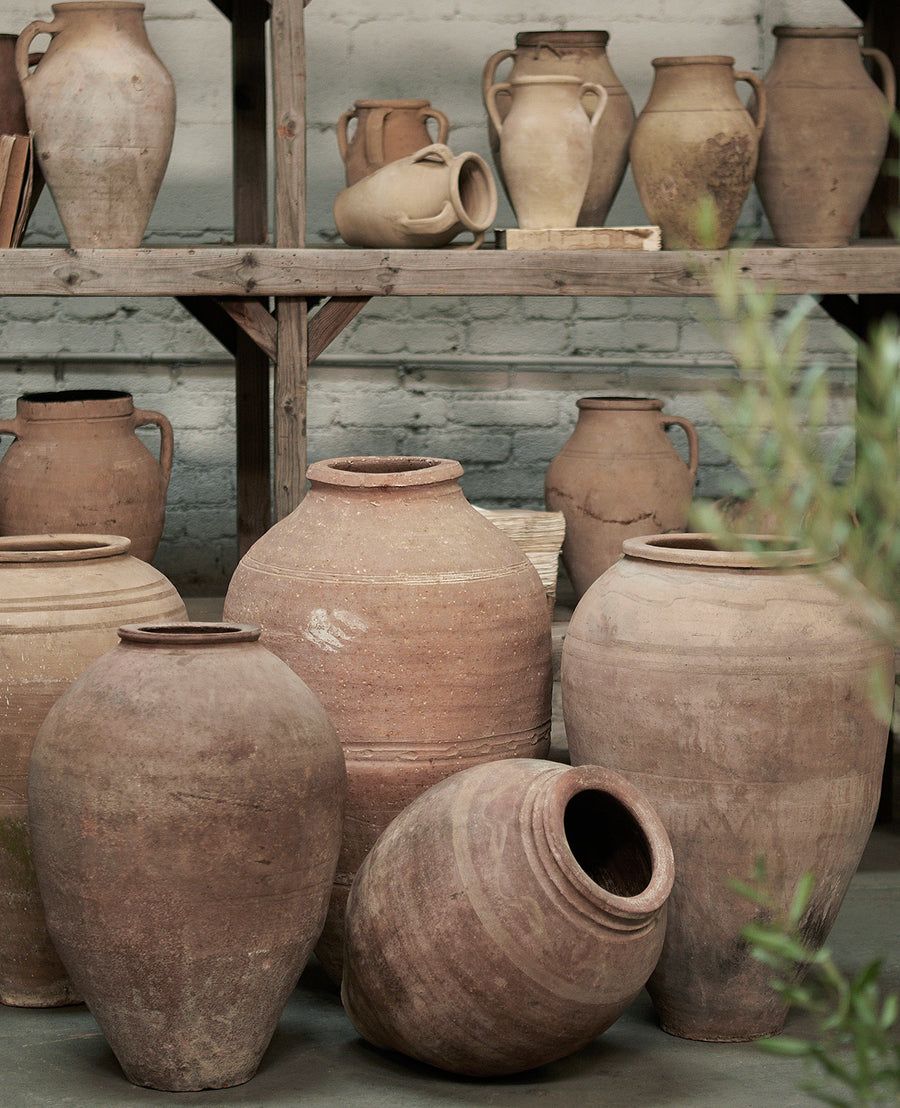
(871,267)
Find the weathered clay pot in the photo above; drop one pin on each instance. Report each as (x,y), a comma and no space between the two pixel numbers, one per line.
(385,131)
(618,476)
(77,465)
(507,917)
(422,628)
(423,200)
(186,798)
(825,137)
(579,54)
(546,145)
(61,599)
(733,689)
(695,143)
(102,107)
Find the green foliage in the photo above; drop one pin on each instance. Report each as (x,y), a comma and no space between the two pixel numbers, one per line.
(853,1056)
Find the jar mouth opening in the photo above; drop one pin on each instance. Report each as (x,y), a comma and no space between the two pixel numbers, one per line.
(76,396)
(389,471)
(786,30)
(375,103)
(693,59)
(562,38)
(60,547)
(189,633)
(613,403)
(706,549)
(608,843)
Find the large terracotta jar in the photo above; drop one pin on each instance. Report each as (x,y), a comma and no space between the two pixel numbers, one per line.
(77,465)
(61,599)
(186,797)
(734,690)
(826,134)
(695,145)
(102,108)
(617,476)
(507,917)
(422,628)
(579,54)
(546,145)
(385,131)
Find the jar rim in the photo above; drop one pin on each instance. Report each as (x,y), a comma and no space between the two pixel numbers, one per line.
(383,471)
(619,403)
(562,38)
(693,59)
(789,30)
(188,633)
(702,548)
(376,102)
(31,549)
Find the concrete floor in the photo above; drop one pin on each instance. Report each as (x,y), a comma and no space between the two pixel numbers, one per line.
(58,1057)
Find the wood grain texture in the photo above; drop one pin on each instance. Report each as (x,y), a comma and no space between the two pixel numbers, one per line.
(225,272)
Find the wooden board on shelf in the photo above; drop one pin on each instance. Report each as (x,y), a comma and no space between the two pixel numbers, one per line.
(579,238)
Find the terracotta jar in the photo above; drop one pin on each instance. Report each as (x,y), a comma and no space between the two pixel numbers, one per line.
(385,131)
(422,628)
(421,201)
(77,465)
(186,798)
(734,690)
(579,54)
(546,145)
(695,144)
(102,108)
(826,135)
(617,476)
(61,599)
(507,917)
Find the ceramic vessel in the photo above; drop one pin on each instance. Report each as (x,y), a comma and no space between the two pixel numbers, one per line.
(102,108)
(579,54)
(186,799)
(618,476)
(422,628)
(385,131)
(735,691)
(546,145)
(696,145)
(420,201)
(458,919)
(826,134)
(61,599)
(77,465)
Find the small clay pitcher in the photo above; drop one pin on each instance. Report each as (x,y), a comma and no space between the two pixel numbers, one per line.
(507,917)
(77,465)
(696,145)
(618,475)
(734,689)
(385,131)
(578,54)
(546,145)
(102,108)
(62,597)
(826,134)
(423,200)
(185,798)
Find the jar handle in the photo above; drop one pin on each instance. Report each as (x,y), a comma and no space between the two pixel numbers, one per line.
(600,91)
(374,135)
(888,77)
(23,58)
(693,442)
(760,90)
(490,102)
(442,121)
(490,70)
(166,439)
(11,427)
(342,123)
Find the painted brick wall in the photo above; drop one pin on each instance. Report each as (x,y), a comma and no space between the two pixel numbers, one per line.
(491,381)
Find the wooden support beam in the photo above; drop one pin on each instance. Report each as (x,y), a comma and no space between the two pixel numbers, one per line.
(213,317)
(258,323)
(289,103)
(252,404)
(328,322)
(844,310)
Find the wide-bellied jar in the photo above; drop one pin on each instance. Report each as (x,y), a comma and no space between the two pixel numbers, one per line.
(421,627)
(62,597)
(734,689)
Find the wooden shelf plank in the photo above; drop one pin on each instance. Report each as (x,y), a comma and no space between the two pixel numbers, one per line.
(225,272)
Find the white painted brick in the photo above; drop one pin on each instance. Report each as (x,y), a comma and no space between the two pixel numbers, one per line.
(528,336)
(601,336)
